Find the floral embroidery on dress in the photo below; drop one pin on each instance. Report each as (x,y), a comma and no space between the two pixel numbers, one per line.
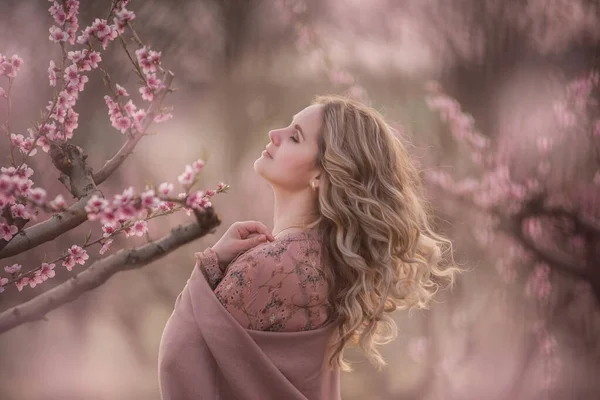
(276,286)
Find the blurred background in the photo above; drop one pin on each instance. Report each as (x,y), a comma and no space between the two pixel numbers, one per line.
(523,324)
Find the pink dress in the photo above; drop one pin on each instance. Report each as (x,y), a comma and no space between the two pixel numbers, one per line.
(275,286)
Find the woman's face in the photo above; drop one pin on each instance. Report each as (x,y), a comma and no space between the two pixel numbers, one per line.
(293,150)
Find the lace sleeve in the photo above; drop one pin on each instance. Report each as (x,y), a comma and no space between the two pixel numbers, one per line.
(209,265)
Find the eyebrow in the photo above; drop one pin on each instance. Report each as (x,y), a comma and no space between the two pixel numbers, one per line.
(298,127)
(300,130)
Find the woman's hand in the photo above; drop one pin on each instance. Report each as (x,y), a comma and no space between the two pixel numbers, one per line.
(240,236)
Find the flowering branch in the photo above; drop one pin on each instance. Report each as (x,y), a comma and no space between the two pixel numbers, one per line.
(111,165)
(101,270)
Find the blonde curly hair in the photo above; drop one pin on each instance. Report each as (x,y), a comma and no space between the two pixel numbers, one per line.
(379,251)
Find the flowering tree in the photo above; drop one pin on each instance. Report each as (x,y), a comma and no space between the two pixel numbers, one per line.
(126,213)
(555,229)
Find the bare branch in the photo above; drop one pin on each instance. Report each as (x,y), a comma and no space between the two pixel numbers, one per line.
(111,165)
(101,270)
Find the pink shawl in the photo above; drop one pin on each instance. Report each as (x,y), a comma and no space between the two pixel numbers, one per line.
(205,353)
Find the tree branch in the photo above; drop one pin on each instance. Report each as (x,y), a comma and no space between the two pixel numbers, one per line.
(47,230)
(111,165)
(101,270)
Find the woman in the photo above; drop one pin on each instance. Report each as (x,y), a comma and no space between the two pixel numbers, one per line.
(267,316)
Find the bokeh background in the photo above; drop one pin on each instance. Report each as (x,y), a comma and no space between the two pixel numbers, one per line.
(245,67)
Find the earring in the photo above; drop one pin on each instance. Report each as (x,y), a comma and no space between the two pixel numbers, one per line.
(312,184)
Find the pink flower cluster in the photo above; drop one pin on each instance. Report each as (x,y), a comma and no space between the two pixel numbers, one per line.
(65,16)
(45,272)
(124,121)
(149,60)
(9,67)
(16,183)
(462,125)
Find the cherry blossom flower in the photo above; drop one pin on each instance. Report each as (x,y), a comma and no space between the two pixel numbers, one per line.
(165,188)
(58,204)
(149,199)
(13,269)
(187,178)
(47,271)
(37,195)
(7,231)
(95,206)
(140,227)
(22,283)
(57,35)
(77,255)
(36,279)
(19,211)
(198,165)
(105,246)
(121,90)
(147,93)
(110,229)
(162,117)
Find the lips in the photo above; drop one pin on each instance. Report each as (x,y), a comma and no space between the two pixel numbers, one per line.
(270,155)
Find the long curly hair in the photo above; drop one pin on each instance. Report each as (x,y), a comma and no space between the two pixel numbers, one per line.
(379,250)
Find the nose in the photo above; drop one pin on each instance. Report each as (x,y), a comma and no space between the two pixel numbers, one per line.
(274,136)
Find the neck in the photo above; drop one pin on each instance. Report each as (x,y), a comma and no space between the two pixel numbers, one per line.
(291,209)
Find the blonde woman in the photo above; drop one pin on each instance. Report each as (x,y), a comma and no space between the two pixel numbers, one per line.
(267,314)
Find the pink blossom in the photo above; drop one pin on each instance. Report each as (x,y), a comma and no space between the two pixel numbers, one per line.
(187,178)
(3,282)
(19,211)
(198,165)
(37,195)
(58,204)
(47,271)
(105,246)
(95,206)
(122,16)
(110,229)
(165,188)
(124,198)
(13,269)
(122,124)
(221,186)
(210,193)
(162,117)
(121,90)
(52,73)
(140,227)
(22,283)
(57,35)
(147,94)
(138,117)
(36,279)
(6,184)
(7,231)
(149,199)
(77,255)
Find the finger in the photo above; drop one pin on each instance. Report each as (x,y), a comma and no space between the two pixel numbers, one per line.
(250,227)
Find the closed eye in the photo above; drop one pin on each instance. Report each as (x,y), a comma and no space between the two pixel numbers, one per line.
(295,140)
